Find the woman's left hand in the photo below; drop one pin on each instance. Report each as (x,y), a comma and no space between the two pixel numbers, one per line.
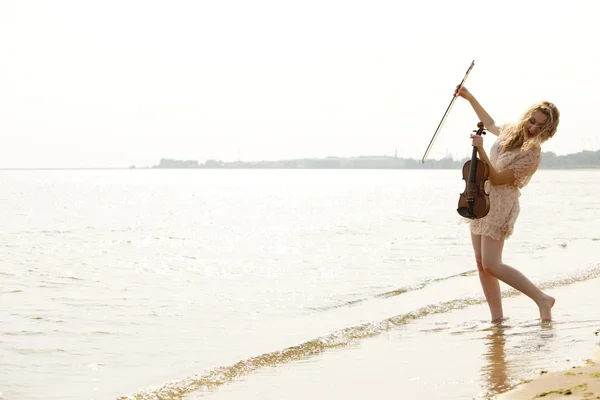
(477,141)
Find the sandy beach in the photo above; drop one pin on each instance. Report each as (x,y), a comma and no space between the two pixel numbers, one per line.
(579,382)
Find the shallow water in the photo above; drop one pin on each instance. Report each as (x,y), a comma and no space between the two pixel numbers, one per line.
(146,282)
(454,355)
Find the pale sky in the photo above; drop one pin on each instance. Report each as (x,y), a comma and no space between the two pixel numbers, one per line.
(117,83)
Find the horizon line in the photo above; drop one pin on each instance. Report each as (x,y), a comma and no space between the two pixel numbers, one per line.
(257,161)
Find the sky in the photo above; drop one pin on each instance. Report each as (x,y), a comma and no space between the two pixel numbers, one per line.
(111,83)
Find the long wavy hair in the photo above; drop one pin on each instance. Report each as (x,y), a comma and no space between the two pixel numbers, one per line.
(516,134)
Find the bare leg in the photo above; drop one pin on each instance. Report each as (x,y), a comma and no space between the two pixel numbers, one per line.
(489,283)
(492,263)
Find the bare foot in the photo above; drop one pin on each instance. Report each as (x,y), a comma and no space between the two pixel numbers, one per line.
(546,308)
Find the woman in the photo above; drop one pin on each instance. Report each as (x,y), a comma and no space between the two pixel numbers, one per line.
(514,158)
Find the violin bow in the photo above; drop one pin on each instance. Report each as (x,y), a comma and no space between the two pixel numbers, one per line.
(437,131)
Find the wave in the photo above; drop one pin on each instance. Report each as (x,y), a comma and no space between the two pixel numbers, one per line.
(395,292)
(219,376)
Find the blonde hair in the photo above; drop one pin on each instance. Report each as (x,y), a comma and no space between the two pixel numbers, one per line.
(516,134)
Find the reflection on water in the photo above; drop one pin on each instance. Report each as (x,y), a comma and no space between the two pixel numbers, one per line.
(495,372)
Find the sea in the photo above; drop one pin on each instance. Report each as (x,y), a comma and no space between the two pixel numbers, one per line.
(217,284)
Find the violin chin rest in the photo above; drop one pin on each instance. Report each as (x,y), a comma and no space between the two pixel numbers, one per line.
(465,212)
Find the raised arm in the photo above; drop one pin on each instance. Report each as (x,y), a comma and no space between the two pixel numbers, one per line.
(484,117)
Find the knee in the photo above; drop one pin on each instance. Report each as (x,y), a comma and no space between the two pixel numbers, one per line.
(489,266)
(479,264)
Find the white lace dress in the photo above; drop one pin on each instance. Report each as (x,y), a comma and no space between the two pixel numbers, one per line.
(504,199)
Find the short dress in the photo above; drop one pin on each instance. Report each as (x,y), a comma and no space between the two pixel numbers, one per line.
(504,199)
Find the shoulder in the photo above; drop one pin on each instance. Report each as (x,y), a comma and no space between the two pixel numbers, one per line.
(530,156)
(525,164)
(534,151)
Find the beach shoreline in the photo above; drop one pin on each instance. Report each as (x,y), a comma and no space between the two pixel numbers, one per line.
(578,382)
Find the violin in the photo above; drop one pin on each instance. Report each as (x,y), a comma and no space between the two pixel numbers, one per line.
(474,202)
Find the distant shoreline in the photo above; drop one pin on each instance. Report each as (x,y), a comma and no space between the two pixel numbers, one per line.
(273,168)
(584,160)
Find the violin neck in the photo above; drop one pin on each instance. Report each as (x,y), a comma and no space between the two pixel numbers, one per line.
(473,166)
